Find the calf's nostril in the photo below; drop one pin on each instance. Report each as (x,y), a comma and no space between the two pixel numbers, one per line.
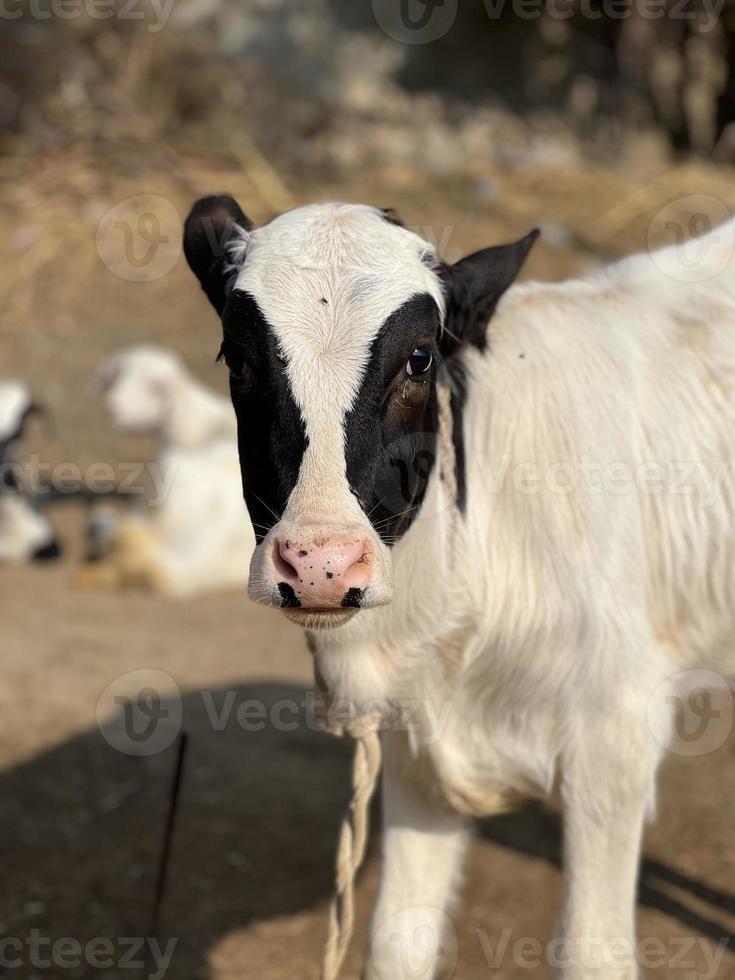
(285,561)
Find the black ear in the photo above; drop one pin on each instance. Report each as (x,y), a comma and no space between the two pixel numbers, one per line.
(473,287)
(215,227)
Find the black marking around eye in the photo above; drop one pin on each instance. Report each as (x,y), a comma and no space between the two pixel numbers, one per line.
(271,431)
(390,454)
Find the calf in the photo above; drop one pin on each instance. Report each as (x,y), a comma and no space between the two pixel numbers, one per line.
(195,537)
(148,389)
(24,532)
(439,503)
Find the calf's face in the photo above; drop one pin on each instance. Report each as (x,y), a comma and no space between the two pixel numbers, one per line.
(338,324)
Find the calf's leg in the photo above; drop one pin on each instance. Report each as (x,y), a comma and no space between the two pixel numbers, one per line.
(423,845)
(607,786)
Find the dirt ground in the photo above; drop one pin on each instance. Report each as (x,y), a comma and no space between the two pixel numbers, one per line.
(252,855)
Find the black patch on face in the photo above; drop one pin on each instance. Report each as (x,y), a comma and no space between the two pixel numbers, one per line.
(351,599)
(288,596)
(48,552)
(390,433)
(271,432)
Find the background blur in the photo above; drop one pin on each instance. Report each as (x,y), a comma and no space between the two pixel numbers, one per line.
(610,125)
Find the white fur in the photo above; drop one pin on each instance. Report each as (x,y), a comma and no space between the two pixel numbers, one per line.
(15,400)
(534,640)
(149,389)
(195,536)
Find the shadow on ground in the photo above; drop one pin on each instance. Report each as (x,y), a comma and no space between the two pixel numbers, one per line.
(536,832)
(255,835)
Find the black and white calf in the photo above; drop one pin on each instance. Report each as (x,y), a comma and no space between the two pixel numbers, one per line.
(506,578)
(24,532)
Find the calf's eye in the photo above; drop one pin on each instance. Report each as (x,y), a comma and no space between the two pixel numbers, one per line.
(233,357)
(419,362)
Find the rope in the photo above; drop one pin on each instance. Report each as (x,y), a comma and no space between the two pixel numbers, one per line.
(351,851)
(367,760)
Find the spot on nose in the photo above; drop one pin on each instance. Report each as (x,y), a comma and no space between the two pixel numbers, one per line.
(323,573)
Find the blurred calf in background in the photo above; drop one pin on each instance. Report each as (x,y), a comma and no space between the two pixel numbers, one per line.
(195,535)
(24,532)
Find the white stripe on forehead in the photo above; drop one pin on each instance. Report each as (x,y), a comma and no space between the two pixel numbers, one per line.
(365,268)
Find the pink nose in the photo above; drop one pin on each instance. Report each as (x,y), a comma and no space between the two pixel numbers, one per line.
(323,573)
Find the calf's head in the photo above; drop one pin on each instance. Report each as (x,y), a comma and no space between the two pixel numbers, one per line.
(337,327)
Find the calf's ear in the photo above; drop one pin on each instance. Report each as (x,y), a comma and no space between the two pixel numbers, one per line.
(215,241)
(473,287)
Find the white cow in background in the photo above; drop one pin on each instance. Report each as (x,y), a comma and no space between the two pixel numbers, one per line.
(194,534)
(24,532)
